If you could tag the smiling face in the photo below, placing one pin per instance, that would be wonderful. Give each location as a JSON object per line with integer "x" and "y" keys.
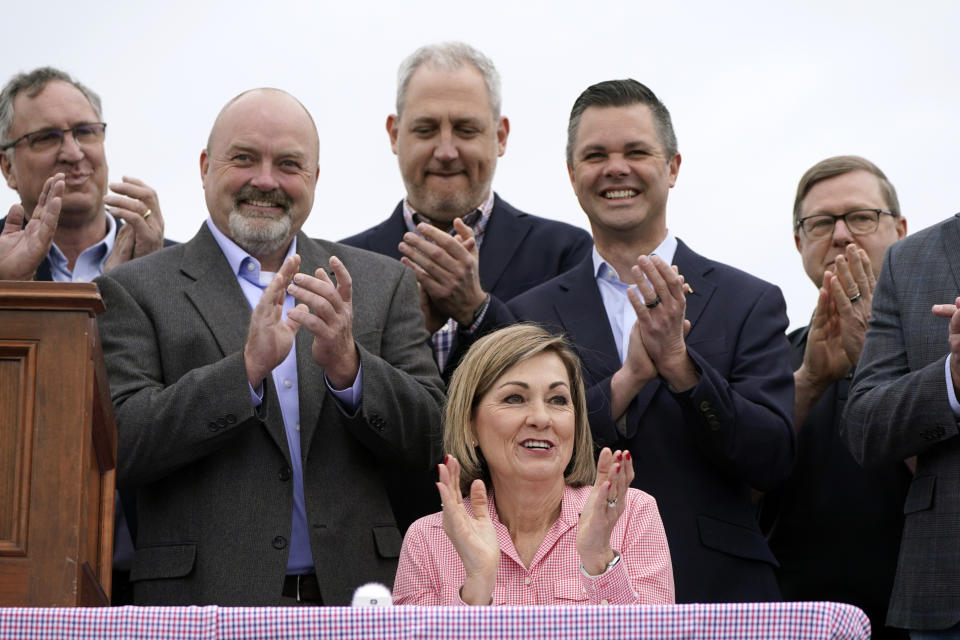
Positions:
{"x": 846, "y": 192}
{"x": 260, "y": 172}
{"x": 59, "y": 105}
{"x": 447, "y": 141}
{"x": 525, "y": 423}
{"x": 621, "y": 173}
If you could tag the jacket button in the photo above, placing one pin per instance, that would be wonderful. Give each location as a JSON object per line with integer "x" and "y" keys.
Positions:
{"x": 279, "y": 542}
{"x": 285, "y": 474}
{"x": 212, "y": 426}
{"x": 222, "y": 423}
{"x": 231, "y": 419}
{"x": 704, "y": 406}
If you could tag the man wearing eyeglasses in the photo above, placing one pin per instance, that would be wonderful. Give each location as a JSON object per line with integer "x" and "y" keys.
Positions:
{"x": 52, "y": 155}
{"x": 834, "y": 526}
{"x": 49, "y": 124}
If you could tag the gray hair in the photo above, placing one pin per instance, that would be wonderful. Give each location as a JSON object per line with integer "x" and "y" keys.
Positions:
{"x": 449, "y": 56}
{"x": 33, "y": 83}
{"x": 622, "y": 93}
{"x": 839, "y": 165}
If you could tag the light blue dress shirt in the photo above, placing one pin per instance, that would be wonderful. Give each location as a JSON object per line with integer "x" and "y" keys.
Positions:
{"x": 252, "y": 282}
{"x": 89, "y": 264}
{"x": 620, "y": 312}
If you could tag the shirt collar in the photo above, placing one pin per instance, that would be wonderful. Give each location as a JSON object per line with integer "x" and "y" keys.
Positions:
{"x": 242, "y": 263}
{"x": 474, "y": 219}
{"x": 98, "y": 252}
{"x": 603, "y": 271}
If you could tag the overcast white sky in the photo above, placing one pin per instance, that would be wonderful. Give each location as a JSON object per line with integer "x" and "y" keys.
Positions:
{"x": 759, "y": 91}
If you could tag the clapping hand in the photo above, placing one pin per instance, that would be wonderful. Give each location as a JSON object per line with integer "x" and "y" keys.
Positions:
{"x": 603, "y": 509}
{"x": 473, "y": 537}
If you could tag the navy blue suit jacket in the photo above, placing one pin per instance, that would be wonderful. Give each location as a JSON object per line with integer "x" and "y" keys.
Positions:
{"x": 518, "y": 252}
{"x": 697, "y": 452}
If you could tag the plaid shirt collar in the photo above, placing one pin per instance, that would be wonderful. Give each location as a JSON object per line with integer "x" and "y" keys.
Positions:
{"x": 476, "y": 219}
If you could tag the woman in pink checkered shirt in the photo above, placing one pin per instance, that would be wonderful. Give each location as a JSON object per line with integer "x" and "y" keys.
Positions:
{"x": 542, "y": 524}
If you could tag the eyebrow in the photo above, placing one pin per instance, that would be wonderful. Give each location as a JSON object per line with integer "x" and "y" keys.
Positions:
{"x": 518, "y": 383}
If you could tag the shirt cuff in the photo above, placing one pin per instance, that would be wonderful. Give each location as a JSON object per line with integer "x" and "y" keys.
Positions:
{"x": 256, "y": 395}
{"x": 951, "y": 393}
{"x": 610, "y": 587}
{"x": 477, "y": 318}
{"x": 349, "y": 397}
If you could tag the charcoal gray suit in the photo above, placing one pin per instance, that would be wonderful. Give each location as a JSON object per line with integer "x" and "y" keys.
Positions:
{"x": 899, "y": 407}
{"x": 213, "y": 473}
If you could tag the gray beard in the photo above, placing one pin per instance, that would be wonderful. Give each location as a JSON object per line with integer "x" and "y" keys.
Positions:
{"x": 259, "y": 235}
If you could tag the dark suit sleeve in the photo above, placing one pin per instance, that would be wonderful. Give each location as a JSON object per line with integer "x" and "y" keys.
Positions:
{"x": 399, "y": 415}
{"x": 742, "y": 418}
{"x": 745, "y": 417}
{"x": 898, "y": 405}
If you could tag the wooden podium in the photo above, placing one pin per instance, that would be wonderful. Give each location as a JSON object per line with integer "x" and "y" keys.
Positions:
{"x": 58, "y": 443}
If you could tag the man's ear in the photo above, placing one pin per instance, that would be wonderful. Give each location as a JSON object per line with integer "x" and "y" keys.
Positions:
{"x": 8, "y": 173}
{"x": 503, "y": 130}
{"x": 393, "y": 130}
{"x": 204, "y": 165}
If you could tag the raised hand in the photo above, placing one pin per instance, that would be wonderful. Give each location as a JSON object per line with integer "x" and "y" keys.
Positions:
{"x": 270, "y": 337}
{"x": 851, "y": 288}
{"x": 473, "y": 537}
{"x": 331, "y": 321}
{"x": 23, "y": 247}
{"x": 603, "y": 509}
{"x": 447, "y": 268}
{"x": 663, "y": 324}
{"x": 138, "y": 206}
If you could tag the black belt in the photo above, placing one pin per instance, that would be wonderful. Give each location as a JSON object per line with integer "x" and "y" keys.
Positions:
{"x": 304, "y": 588}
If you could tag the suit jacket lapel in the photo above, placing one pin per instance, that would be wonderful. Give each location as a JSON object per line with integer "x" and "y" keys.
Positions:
{"x": 502, "y": 237}
{"x": 312, "y": 386}
{"x": 388, "y": 235}
{"x": 694, "y": 268}
{"x": 950, "y": 237}
{"x": 217, "y": 296}
{"x": 583, "y": 317}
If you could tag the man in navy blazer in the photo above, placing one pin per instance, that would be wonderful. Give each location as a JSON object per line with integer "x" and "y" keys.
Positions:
{"x": 685, "y": 359}
{"x": 470, "y": 249}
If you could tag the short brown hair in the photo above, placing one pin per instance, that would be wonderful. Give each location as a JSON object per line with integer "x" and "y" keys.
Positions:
{"x": 484, "y": 363}
{"x": 837, "y": 166}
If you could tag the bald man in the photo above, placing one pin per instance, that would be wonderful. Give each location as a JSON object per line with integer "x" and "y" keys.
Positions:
{"x": 260, "y": 379}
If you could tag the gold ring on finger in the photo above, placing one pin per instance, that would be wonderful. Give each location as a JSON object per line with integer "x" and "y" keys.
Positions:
{"x": 147, "y": 214}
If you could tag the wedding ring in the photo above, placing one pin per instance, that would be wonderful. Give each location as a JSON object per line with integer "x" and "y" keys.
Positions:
{"x": 857, "y": 297}
{"x": 147, "y": 214}
{"x": 653, "y": 303}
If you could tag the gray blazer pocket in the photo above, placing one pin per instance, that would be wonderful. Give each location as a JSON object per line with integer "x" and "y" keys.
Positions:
{"x": 735, "y": 540}
{"x": 388, "y": 541}
{"x": 167, "y": 561}
{"x": 920, "y": 494}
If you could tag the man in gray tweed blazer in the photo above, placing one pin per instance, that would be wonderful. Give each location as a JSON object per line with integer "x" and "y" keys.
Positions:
{"x": 903, "y": 402}
{"x": 260, "y": 379}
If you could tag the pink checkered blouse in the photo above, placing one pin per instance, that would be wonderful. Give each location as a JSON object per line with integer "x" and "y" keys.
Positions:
{"x": 430, "y": 571}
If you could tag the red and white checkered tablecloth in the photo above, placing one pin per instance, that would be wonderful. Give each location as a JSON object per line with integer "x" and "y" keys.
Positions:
{"x": 747, "y": 621}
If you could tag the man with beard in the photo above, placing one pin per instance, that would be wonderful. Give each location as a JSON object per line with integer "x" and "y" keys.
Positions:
{"x": 256, "y": 393}
{"x": 470, "y": 250}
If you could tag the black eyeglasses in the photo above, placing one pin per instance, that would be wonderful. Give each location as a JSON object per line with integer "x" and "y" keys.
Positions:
{"x": 860, "y": 222}
{"x": 49, "y": 139}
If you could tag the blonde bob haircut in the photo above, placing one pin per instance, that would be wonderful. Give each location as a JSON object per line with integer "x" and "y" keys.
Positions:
{"x": 484, "y": 363}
